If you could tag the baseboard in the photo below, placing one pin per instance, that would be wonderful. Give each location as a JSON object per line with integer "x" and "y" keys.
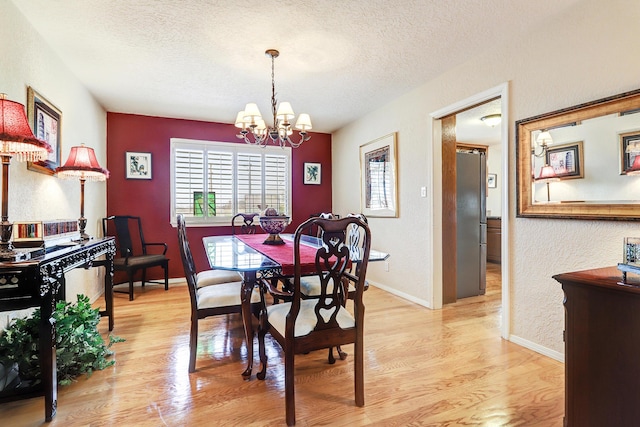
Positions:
{"x": 537, "y": 348}
{"x": 174, "y": 281}
{"x": 419, "y": 301}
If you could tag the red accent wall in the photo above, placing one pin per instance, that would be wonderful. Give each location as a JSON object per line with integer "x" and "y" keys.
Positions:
{"x": 151, "y": 199}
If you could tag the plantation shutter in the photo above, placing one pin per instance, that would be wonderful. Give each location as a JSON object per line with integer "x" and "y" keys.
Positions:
{"x": 220, "y": 181}
{"x": 276, "y": 182}
{"x": 212, "y": 181}
{"x": 249, "y": 179}
{"x": 189, "y": 179}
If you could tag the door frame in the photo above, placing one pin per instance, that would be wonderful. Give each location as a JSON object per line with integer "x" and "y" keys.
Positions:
{"x": 435, "y": 242}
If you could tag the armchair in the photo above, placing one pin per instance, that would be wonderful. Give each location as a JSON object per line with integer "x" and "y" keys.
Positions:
{"x": 134, "y": 250}
{"x": 304, "y": 325}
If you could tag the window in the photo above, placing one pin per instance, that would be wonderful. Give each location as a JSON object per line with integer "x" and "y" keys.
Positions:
{"x": 235, "y": 178}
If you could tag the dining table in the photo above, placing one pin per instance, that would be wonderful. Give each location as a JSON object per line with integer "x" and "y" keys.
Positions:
{"x": 256, "y": 260}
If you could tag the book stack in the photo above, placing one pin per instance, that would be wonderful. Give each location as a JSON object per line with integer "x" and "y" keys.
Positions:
{"x": 31, "y": 234}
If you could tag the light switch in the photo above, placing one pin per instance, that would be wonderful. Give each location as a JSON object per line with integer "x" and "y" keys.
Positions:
{"x": 423, "y": 191}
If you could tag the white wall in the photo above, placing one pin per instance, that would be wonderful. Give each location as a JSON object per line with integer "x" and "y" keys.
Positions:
{"x": 26, "y": 60}
{"x": 588, "y": 53}
{"x": 494, "y": 195}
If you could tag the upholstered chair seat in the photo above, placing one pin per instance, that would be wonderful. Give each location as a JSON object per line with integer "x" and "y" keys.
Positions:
{"x": 216, "y": 277}
{"x": 307, "y": 320}
{"x": 223, "y": 295}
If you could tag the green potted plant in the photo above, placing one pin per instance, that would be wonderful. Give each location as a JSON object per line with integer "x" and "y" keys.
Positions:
{"x": 80, "y": 349}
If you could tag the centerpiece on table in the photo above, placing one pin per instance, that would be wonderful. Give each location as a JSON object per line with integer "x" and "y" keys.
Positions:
{"x": 273, "y": 224}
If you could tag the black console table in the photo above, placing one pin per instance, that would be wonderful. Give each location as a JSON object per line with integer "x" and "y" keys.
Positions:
{"x": 40, "y": 282}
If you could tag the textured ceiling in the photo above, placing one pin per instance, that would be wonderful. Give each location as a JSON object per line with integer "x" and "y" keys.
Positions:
{"x": 204, "y": 59}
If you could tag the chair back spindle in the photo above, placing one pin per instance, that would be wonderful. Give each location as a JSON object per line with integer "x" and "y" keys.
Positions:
{"x": 245, "y": 223}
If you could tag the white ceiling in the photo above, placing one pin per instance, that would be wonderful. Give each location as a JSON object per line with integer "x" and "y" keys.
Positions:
{"x": 204, "y": 59}
{"x": 471, "y": 129}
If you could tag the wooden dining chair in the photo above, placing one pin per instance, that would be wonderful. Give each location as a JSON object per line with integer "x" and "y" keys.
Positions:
{"x": 212, "y": 292}
{"x": 310, "y": 285}
{"x": 304, "y": 325}
{"x": 134, "y": 251}
{"x": 242, "y": 223}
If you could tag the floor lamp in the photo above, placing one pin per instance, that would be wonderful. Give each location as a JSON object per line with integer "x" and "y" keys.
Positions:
{"x": 82, "y": 164}
{"x": 16, "y": 140}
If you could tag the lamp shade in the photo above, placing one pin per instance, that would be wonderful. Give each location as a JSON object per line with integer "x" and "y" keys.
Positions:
{"x": 16, "y": 137}
{"x": 547, "y": 173}
{"x": 304, "y": 122}
{"x": 251, "y": 112}
{"x": 285, "y": 112}
{"x": 240, "y": 122}
{"x": 82, "y": 163}
{"x": 544, "y": 138}
{"x": 635, "y": 167}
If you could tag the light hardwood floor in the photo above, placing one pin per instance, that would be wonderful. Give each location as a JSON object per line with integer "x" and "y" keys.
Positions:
{"x": 422, "y": 367}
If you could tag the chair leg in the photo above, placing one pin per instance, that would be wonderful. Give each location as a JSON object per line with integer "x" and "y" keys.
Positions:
{"x": 193, "y": 344}
{"x": 166, "y": 276}
{"x": 262, "y": 373}
{"x": 343, "y": 355}
{"x": 130, "y": 286}
{"x": 359, "y": 372}
{"x": 289, "y": 391}
{"x": 144, "y": 276}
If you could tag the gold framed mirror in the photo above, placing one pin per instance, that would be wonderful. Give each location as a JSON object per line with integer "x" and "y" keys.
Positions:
{"x": 580, "y": 162}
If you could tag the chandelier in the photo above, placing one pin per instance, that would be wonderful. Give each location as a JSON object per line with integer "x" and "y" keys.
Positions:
{"x": 254, "y": 129}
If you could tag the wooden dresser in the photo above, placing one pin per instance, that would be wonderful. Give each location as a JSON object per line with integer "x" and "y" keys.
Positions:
{"x": 602, "y": 348}
{"x": 494, "y": 239}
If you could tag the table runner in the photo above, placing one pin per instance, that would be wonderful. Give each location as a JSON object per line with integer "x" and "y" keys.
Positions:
{"x": 282, "y": 254}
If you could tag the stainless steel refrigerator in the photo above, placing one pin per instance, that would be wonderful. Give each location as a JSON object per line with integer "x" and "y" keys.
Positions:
{"x": 471, "y": 229}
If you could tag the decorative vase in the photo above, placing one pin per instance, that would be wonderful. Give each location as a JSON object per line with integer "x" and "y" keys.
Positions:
{"x": 274, "y": 225}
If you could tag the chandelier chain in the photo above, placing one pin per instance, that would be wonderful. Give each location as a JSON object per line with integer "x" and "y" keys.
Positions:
{"x": 274, "y": 102}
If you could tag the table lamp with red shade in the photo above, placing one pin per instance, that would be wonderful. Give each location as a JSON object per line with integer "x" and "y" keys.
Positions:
{"x": 82, "y": 164}
{"x": 16, "y": 140}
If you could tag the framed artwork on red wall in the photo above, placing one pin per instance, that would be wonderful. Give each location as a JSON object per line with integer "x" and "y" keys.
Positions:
{"x": 312, "y": 173}
{"x": 138, "y": 165}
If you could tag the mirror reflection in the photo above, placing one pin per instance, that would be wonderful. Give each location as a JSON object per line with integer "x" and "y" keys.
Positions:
{"x": 581, "y": 161}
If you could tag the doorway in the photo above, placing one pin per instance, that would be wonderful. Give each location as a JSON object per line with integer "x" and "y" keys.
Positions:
{"x": 443, "y": 171}
{"x": 471, "y": 151}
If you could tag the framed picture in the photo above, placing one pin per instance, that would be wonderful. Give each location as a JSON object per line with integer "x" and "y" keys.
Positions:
{"x": 138, "y": 165}
{"x": 46, "y": 122}
{"x": 630, "y": 149}
{"x": 378, "y": 176}
{"x": 492, "y": 180}
{"x": 312, "y": 173}
{"x": 566, "y": 160}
